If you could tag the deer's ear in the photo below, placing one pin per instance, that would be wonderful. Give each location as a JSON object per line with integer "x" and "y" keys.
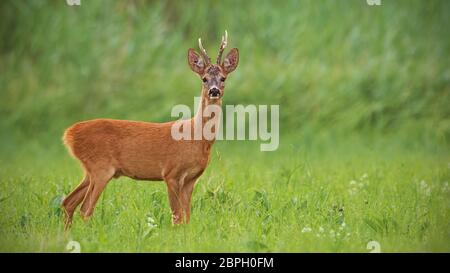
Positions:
{"x": 231, "y": 60}
{"x": 195, "y": 61}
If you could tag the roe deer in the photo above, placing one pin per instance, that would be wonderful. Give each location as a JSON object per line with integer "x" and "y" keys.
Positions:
{"x": 110, "y": 148}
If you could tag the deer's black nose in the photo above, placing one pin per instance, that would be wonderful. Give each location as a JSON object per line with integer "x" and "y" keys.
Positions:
{"x": 214, "y": 92}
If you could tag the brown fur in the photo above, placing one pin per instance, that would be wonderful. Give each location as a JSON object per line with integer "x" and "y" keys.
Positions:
{"x": 109, "y": 148}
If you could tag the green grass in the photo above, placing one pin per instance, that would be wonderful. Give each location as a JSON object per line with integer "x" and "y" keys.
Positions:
{"x": 247, "y": 202}
{"x": 363, "y": 92}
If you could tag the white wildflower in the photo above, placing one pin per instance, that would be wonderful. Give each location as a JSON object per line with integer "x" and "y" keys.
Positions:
{"x": 151, "y": 222}
{"x": 353, "y": 189}
{"x": 425, "y": 188}
{"x": 306, "y": 229}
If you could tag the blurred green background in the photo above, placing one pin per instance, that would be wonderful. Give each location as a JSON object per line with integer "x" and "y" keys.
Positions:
{"x": 334, "y": 67}
{"x": 364, "y": 122}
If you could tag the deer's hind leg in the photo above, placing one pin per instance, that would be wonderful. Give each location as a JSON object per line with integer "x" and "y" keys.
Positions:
{"x": 98, "y": 181}
{"x": 71, "y": 202}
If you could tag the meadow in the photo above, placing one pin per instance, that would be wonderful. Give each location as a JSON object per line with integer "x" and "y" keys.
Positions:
{"x": 364, "y": 123}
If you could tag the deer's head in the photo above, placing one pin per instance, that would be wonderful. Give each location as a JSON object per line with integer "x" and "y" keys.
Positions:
{"x": 213, "y": 75}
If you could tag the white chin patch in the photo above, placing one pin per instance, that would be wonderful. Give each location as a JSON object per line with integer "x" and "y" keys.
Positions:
{"x": 214, "y": 98}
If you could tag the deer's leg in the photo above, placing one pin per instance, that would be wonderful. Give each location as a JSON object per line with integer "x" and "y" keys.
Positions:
{"x": 186, "y": 197}
{"x": 71, "y": 202}
{"x": 98, "y": 182}
{"x": 173, "y": 189}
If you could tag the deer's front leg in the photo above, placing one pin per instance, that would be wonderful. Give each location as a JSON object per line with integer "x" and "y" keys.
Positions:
{"x": 186, "y": 195}
{"x": 174, "y": 191}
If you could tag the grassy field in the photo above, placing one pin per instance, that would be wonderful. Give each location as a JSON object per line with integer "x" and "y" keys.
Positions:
{"x": 381, "y": 192}
{"x": 364, "y": 122}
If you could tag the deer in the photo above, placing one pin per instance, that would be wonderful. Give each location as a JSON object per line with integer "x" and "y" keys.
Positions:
{"x": 111, "y": 148}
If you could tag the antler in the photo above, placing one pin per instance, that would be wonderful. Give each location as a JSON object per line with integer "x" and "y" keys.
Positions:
{"x": 223, "y": 45}
{"x": 203, "y": 52}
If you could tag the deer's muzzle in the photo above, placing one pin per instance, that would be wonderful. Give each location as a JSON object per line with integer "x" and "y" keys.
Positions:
{"x": 214, "y": 93}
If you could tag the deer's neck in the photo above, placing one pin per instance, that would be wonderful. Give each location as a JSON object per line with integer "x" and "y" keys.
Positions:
{"x": 207, "y": 118}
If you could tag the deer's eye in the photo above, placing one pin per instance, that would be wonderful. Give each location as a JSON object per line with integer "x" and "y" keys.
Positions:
{"x": 205, "y": 80}
{"x": 222, "y": 79}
